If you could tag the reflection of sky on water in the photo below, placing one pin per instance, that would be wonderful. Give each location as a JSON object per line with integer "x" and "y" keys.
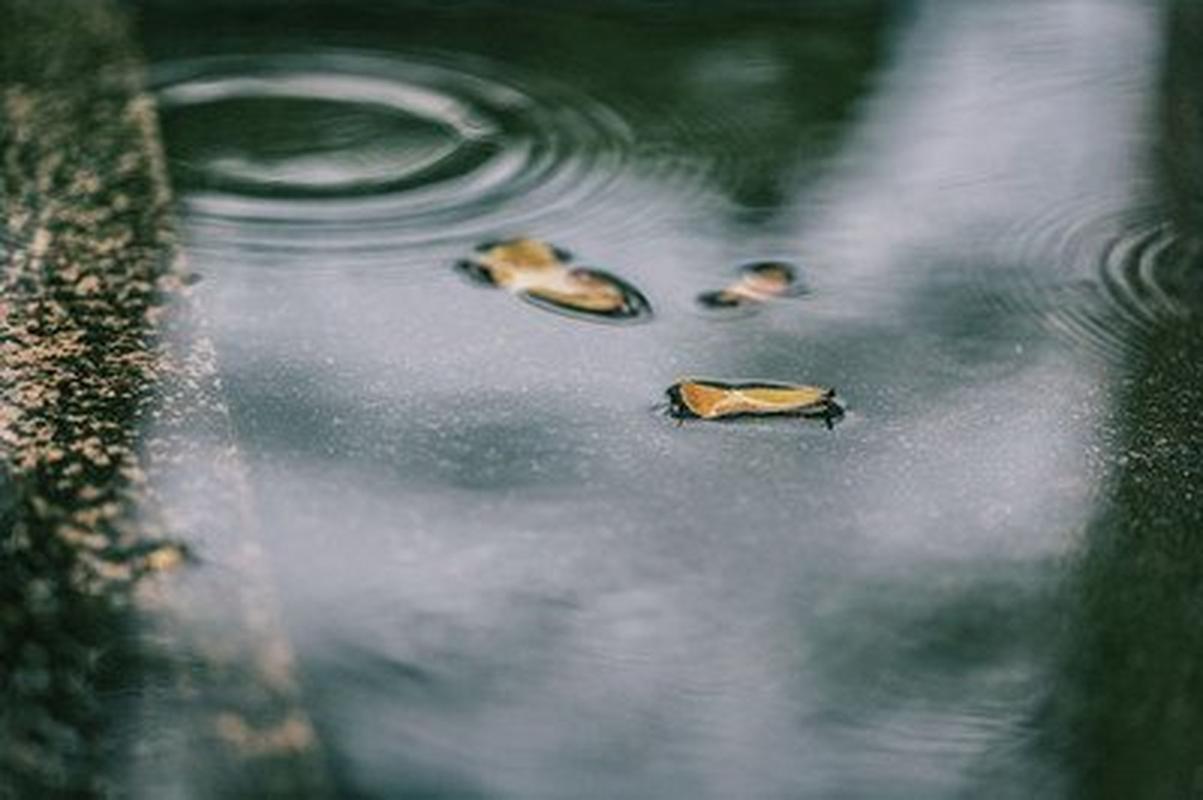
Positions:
{"x": 506, "y": 574}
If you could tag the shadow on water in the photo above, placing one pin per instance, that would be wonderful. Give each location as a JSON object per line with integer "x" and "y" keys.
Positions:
{"x": 750, "y": 101}
{"x": 1181, "y": 116}
{"x": 1125, "y": 718}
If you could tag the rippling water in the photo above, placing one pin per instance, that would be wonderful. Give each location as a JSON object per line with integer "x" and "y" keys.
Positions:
{"x": 505, "y": 572}
{"x": 339, "y": 152}
{"x": 1107, "y": 279}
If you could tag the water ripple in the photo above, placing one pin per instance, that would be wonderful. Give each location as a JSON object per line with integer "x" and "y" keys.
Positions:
{"x": 1106, "y": 279}
{"x": 348, "y": 152}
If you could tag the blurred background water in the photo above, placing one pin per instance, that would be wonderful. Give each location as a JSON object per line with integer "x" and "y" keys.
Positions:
{"x": 507, "y": 575}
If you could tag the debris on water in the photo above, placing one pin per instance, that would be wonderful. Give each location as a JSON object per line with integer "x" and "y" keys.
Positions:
{"x": 515, "y": 264}
{"x": 758, "y": 283}
{"x": 540, "y": 273}
{"x": 716, "y": 400}
{"x": 590, "y": 291}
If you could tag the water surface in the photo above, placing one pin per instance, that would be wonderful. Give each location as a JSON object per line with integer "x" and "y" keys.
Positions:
{"x": 507, "y": 575}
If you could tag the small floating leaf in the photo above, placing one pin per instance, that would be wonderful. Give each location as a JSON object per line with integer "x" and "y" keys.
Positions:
{"x": 759, "y": 282}
{"x": 538, "y": 272}
{"x": 590, "y": 292}
{"x": 515, "y": 263}
{"x": 716, "y": 400}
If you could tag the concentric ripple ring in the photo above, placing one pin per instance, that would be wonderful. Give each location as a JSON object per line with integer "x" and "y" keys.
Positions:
{"x": 1104, "y": 278}
{"x": 366, "y": 153}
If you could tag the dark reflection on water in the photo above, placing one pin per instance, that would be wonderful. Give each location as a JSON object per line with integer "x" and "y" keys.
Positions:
{"x": 1126, "y": 718}
{"x": 368, "y": 152}
{"x": 507, "y": 576}
{"x": 940, "y": 666}
{"x": 1126, "y": 715}
{"x": 1107, "y": 280}
{"x": 1180, "y": 115}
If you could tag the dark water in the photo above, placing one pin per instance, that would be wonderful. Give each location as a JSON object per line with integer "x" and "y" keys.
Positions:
{"x": 506, "y": 575}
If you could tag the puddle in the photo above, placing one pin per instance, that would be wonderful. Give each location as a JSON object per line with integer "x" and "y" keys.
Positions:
{"x": 502, "y": 575}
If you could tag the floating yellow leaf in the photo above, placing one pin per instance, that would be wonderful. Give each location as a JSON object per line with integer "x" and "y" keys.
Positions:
{"x": 539, "y": 273}
{"x": 758, "y": 282}
{"x": 712, "y": 400}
